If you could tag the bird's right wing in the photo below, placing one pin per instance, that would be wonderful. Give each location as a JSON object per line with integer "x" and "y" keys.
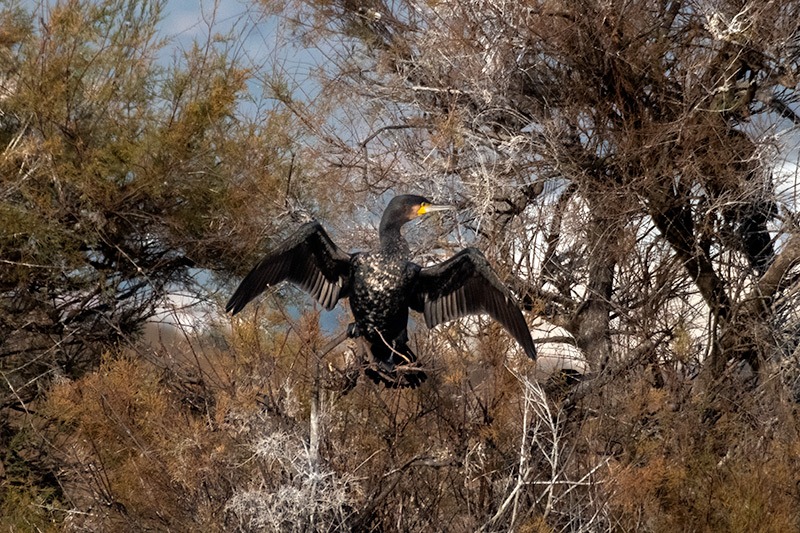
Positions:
{"x": 308, "y": 259}
{"x": 465, "y": 285}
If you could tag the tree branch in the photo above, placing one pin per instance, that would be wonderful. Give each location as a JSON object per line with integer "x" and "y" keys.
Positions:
{"x": 757, "y": 301}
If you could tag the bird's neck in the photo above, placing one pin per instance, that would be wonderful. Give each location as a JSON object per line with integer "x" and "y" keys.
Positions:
{"x": 392, "y": 240}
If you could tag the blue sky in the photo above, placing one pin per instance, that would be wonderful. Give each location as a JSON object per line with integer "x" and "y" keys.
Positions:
{"x": 260, "y": 38}
{"x": 189, "y": 18}
{"x": 263, "y": 41}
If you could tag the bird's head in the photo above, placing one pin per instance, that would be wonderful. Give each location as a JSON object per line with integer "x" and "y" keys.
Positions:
{"x": 407, "y": 207}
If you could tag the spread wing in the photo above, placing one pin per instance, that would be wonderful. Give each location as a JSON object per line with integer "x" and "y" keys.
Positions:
{"x": 308, "y": 259}
{"x": 465, "y": 285}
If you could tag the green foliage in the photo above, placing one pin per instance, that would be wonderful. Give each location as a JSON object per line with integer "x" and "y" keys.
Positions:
{"x": 27, "y": 504}
{"x": 118, "y": 176}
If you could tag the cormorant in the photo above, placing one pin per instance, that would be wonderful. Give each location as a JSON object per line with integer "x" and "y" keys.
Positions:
{"x": 383, "y": 284}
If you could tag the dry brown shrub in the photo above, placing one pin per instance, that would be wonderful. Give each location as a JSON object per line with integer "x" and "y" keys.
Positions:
{"x": 727, "y": 467}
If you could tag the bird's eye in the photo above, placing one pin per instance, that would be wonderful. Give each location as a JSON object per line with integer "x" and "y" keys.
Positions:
{"x": 422, "y": 208}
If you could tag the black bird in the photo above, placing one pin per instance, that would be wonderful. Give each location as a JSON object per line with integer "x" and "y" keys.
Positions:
{"x": 383, "y": 284}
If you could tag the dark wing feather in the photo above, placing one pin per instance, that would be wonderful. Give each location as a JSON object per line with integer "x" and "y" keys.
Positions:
{"x": 308, "y": 259}
{"x": 465, "y": 285}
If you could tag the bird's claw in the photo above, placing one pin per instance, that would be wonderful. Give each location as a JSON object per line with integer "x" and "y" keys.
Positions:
{"x": 393, "y": 377}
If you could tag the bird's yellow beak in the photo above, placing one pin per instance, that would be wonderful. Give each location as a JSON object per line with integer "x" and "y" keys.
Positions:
{"x": 429, "y": 208}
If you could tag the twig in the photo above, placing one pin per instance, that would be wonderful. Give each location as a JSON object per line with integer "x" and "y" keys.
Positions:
{"x": 29, "y": 265}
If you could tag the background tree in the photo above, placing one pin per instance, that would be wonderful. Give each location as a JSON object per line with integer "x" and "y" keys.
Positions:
{"x": 605, "y": 143}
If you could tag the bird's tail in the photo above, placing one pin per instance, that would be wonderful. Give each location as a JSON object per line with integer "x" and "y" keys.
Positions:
{"x": 394, "y": 365}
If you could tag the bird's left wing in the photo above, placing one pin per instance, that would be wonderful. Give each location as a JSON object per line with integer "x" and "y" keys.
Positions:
{"x": 465, "y": 285}
{"x": 308, "y": 259}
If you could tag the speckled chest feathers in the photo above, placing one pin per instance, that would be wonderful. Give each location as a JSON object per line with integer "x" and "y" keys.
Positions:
{"x": 379, "y": 300}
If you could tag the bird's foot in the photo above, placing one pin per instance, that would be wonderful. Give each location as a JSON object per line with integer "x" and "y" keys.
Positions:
{"x": 400, "y": 376}
{"x": 380, "y": 376}
{"x": 410, "y": 375}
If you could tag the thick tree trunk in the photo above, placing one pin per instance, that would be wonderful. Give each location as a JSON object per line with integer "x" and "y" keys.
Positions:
{"x": 593, "y": 316}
